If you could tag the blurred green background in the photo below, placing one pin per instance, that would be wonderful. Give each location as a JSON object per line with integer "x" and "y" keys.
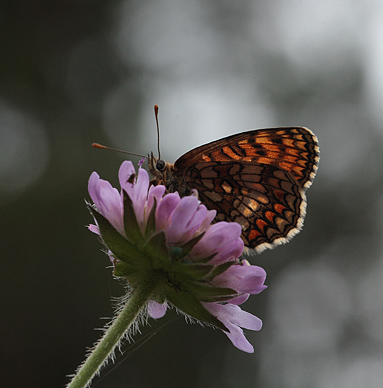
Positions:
{"x": 77, "y": 72}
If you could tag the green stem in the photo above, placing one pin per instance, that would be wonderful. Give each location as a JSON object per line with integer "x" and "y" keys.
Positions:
{"x": 113, "y": 335}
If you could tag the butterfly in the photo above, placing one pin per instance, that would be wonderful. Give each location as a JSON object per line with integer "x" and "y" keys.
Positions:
{"x": 256, "y": 178}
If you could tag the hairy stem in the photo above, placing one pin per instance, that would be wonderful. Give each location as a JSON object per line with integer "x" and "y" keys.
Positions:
{"x": 113, "y": 335}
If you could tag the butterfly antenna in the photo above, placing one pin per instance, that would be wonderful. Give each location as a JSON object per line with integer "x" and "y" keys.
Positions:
{"x": 100, "y": 146}
{"x": 156, "y": 108}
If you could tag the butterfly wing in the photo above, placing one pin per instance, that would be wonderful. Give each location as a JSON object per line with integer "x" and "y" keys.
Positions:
{"x": 256, "y": 178}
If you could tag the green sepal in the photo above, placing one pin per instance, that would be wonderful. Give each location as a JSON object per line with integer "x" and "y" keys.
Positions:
{"x": 218, "y": 269}
{"x": 187, "y": 303}
{"x": 191, "y": 271}
{"x": 159, "y": 298}
{"x": 185, "y": 249}
{"x": 157, "y": 249}
{"x": 208, "y": 258}
{"x": 131, "y": 227}
{"x": 124, "y": 270}
{"x": 151, "y": 223}
{"x": 114, "y": 241}
{"x": 207, "y": 293}
{"x": 176, "y": 253}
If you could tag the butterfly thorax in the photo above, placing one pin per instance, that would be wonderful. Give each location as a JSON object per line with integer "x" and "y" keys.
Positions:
{"x": 166, "y": 174}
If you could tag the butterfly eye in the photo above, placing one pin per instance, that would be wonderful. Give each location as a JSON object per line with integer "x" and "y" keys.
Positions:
{"x": 160, "y": 165}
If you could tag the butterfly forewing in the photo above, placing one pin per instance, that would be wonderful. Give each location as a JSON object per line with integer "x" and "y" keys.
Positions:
{"x": 294, "y": 149}
{"x": 256, "y": 178}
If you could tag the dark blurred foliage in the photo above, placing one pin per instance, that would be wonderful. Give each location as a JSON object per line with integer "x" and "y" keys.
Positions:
{"x": 76, "y": 72}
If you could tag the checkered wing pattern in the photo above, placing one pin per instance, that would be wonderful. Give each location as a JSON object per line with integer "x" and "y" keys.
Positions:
{"x": 256, "y": 178}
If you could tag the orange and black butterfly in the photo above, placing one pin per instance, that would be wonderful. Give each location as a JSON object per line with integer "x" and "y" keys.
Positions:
{"x": 256, "y": 178}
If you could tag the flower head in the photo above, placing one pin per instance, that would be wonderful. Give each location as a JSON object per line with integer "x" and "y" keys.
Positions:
{"x": 169, "y": 241}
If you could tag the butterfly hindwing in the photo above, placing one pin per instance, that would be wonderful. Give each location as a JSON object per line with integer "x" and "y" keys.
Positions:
{"x": 266, "y": 201}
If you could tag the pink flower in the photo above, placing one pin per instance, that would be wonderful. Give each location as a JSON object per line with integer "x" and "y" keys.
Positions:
{"x": 194, "y": 264}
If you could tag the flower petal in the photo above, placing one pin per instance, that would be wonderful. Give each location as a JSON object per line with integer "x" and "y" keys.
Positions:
{"x": 238, "y": 339}
{"x": 185, "y": 221}
{"x": 229, "y": 251}
{"x": 239, "y": 299}
{"x": 207, "y": 221}
{"x": 124, "y": 173}
{"x": 198, "y": 219}
{"x": 216, "y": 239}
{"x": 181, "y": 218}
{"x": 233, "y": 318}
{"x": 243, "y": 278}
{"x": 139, "y": 194}
{"x": 165, "y": 209}
{"x": 138, "y": 190}
{"x": 243, "y": 318}
{"x": 108, "y": 201}
{"x": 155, "y": 192}
{"x": 156, "y": 310}
{"x": 94, "y": 229}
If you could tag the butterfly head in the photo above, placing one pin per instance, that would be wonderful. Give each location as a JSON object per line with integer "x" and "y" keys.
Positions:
{"x": 159, "y": 169}
{"x": 166, "y": 174}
